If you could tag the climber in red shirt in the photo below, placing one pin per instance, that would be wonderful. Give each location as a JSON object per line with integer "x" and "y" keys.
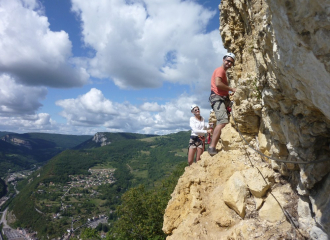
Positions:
{"x": 219, "y": 98}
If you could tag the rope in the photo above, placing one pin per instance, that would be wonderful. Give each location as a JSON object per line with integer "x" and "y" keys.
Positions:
{"x": 275, "y": 159}
{"x": 285, "y": 212}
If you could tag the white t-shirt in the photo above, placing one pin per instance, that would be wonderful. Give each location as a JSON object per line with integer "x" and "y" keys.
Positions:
{"x": 197, "y": 127}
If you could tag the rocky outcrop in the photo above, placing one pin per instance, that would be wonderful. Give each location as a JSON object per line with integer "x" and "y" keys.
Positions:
{"x": 16, "y": 141}
{"x": 101, "y": 138}
{"x": 233, "y": 195}
{"x": 281, "y": 108}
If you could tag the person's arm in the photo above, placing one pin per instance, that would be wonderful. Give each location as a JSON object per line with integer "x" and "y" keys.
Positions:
{"x": 194, "y": 128}
{"x": 208, "y": 128}
{"x": 220, "y": 85}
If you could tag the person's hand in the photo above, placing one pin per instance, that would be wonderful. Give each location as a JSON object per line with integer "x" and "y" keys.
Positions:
{"x": 210, "y": 131}
{"x": 233, "y": 91}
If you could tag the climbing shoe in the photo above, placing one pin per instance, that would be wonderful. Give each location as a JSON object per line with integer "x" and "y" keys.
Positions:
{"x": 212, "y": 151}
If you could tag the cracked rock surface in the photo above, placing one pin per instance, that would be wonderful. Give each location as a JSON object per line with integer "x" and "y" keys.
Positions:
{"x": 281, "y": 107}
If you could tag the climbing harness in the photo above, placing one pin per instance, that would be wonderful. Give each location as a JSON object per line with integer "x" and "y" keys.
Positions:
{"x": 275, "y": 159}
{"x": 197, "y": 139}
{"x": 214, "y": 98}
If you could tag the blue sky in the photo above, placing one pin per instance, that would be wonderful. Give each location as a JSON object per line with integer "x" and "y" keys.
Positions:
{"x": 81, "y": 67}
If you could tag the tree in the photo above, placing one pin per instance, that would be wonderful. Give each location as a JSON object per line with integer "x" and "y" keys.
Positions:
{"x": 105, "y": 228}
{"x": 99, "y": 227}
{"x": 3, "y": 188}
{"x": 140, "y": 216}
{"x": 90, "y": 234}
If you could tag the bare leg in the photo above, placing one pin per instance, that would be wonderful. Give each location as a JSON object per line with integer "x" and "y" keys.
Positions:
{"x": 191, "y": 155}
{"x": 216, "y": 134}
{"x": 199, "y": 153}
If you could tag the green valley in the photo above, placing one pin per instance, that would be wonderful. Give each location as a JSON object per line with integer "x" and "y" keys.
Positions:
{"x": 22, "y": 151}
{"x": 83, "y": 186}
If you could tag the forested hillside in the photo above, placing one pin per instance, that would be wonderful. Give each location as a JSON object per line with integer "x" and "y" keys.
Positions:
{"x": 80, "y": 184}
{"x": 2, "y": 133}
{"x": 21, "y": 151}
{"x": 105, "y": 138}
{"x": 14, "y": 158}
{"x": 2, "y": 188}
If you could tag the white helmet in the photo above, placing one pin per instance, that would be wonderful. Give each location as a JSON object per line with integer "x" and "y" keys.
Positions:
{"x": 232, "y": 55}
{"x": 192, "y": 107}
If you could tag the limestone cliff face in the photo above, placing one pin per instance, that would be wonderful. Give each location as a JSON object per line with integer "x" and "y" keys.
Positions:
{"x": 282, "y": 74}
{"x": 16, "y": 141}
{"x": 101, "y": 138}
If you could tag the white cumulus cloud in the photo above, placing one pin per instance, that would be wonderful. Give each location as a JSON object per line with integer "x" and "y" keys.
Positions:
{"x": 17, "y": 99}
{"x": 136, "y": 43}
{"x": 151, "y": 107}
{"x": 93, "y": 109}
{"x": 32, "y": 53}
{"x": 141, "y": 43}
{"x": 28, "y": 123}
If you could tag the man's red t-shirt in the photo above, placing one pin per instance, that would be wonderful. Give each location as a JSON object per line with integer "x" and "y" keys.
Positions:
{"x": 221, "y": 73}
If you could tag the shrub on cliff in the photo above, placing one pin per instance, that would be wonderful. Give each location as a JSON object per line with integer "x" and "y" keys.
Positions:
{"x": 140, "y": 216}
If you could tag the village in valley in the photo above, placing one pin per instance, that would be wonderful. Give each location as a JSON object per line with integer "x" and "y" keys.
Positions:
{"x": 77, "y": 203}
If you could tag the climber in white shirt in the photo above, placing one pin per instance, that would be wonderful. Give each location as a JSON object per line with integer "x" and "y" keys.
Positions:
{"x": 197, "y": 138}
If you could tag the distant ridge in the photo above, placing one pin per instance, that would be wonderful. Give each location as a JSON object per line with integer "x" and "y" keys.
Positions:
{"x": 20, "y": 151}
{"x": 5, "y": 133}
{"x": 60, "y": 140}
{"x": 105, "y": 138}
